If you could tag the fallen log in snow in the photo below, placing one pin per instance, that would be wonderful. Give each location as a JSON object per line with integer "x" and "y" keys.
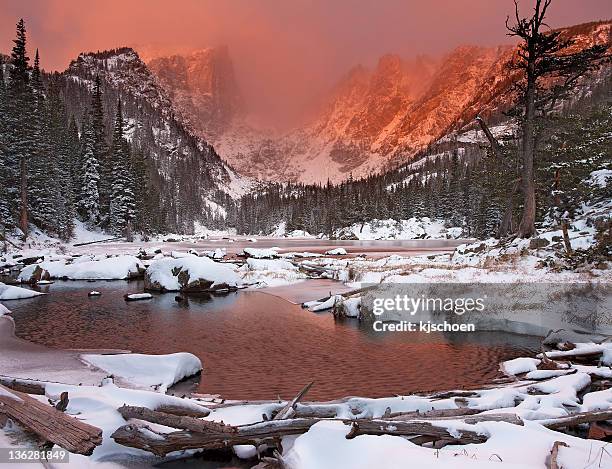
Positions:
{"x": 577, "y": 419}
{"x": 199, "y": 434}
{"x": 29, "y": 386}
{"x": 49, "y": 423}
{"x": 400, "y": 428}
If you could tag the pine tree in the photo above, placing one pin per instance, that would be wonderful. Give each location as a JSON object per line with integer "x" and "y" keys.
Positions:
{"x": 43, "y": 184}
{"x": 122, "y": 204}
{"x": 100, "y": 149}
{"x": 142, "y": 221}
{"x": 20, "y": 139}
{"x": 89, "y": 194}
{"x": 6, "y": 217}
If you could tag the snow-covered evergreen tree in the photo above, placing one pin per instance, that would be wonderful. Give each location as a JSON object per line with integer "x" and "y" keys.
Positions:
{"x": 122, "y": 203}
{"x": 21, "y": 134}
{"x": 6, "y": 216}
{"x": 43, "y": 184}
{"x": 89, "y": 195}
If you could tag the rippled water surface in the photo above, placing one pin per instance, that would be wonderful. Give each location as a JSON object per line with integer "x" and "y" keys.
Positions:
{"x": 256, "y": 346}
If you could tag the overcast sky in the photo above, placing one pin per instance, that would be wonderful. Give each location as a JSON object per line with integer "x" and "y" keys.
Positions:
{"x": 284, "y": 51}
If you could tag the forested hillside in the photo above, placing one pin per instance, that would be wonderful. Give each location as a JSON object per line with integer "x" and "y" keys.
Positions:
{"x": 100, "y": 142}
{"x": 457, "y": 180}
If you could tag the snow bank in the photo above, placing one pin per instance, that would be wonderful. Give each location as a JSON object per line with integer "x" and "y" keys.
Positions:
{"x": 271, "y": 272}
{"x": 155, "y": 371}
{"x": 10, "y": 292}
{"x": 281, "y": 232}
{"x": 190, "y": 274}
{"x": 88, "y": 268}
{"x": 413, "y": 228}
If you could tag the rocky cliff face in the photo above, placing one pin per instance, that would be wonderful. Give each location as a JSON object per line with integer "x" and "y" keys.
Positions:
{"x": 373, "y": 120}
{"x": 202, "y": 87}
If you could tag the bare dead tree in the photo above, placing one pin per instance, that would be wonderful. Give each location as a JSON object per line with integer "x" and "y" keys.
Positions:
{"x": 550, "y": 70}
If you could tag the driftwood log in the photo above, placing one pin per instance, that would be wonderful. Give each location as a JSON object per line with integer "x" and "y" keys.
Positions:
{"x": 49, "y": 423}
{"x": 183, "y": 410}
{"x": 173, "y": 420}
{"x": 29, "y": 386}
{"x": 577, "y": 419}
{"x": 400, "y": 428}
{"x": 199, "y": 435}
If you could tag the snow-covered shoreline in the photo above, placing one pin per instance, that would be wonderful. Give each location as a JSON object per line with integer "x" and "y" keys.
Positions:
{"x": 532, "y": 394}
{"x": 536, "y": 395}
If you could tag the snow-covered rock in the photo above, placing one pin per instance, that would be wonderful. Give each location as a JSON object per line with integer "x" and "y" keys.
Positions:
{"x": 88, "y": 268}
{"x": 4, "y": 310}
{"x": 138, "y": 296}
{"x": 350, "y": 308}
{"x": 190, "y": 274}
{"x": 270, "y": 264}
{"x": 519, "y": 365}
{"x": 218, "y": 253}
{"x": 10, "y": 292}
{"x": 262, "y": 253}
{"x": 336, "y": 252}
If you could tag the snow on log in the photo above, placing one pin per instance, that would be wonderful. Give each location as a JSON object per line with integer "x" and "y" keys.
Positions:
{"x": 155, "y": 371}
{"x": 49, "y": 423}
{"x": 10, "y": 292}
{"x": 190, "y": 274}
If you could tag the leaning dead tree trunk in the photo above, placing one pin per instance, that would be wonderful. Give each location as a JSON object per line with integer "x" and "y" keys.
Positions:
{"x": 506, "y": 226}
{"x": 49, "y": 423}
{"x": 495, "y": 146}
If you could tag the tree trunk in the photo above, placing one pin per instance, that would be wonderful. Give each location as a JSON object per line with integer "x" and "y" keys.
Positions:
{"x": 23, "y": 212}
{"x": 527, "y": 224}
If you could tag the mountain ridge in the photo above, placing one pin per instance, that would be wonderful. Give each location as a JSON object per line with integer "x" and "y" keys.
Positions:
{"x": 376, "y": 119}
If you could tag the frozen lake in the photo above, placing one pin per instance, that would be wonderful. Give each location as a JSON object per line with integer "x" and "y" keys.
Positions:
{"x": 256, "y": 345}
{"x": 235, "y": 245}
